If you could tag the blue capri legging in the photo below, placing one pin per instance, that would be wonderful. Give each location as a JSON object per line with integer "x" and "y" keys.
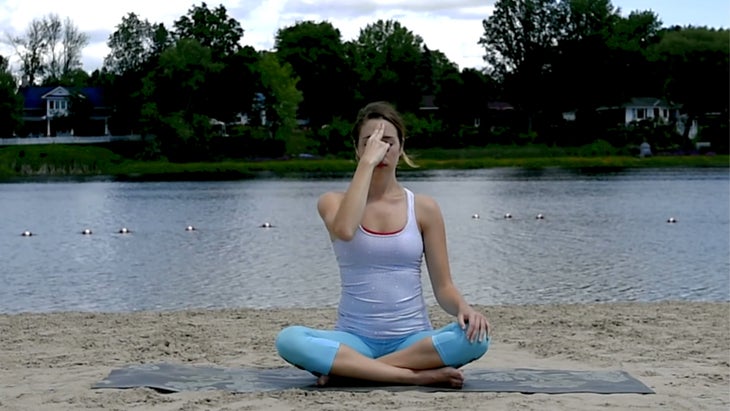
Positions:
{"x": 314, "y": 350}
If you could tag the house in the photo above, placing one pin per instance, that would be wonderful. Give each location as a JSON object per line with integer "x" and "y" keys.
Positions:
{"x": 258, "y": 107}
{"x": 60, "y": 111}
{"x": 428, "y": 103}
{"x": 498, "y": 112}
{"x": 640, "y": 109}
{"x": 648, "y": 108}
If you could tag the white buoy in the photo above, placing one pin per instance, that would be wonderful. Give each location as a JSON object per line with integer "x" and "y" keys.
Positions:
{"x": 189, "y": 228}
{"x": 671, "y": 220}
{"x": 26, "y": 234}
{"x": 124, "y": 230}
{"x": 540, "y": 217}
{"x": 475, "y": 216}
{"x": 86, "y": 231}
{"x": 266, "y": 225}
{"x": 508, "y": 216}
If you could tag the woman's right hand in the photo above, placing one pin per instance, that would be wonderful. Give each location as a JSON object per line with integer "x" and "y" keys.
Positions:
{"x": 375, "y": 147}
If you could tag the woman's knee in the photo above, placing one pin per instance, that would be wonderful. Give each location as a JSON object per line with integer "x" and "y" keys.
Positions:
{"x": 456, "y": 349}
{"x": 306, "y": 348}
{"x": 289, "y": 340}
{"x": 479, "y": 348}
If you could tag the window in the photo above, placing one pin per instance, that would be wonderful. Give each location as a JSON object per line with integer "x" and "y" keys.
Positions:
{"x": 640, "y": 113}
{"x": 58, "y": 104}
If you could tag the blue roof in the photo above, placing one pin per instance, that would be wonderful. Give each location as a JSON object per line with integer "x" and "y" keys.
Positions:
{"x": 33, "y": 96}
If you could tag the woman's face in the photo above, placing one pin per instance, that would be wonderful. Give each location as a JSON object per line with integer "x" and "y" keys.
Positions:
{"x": 390, "y": 136}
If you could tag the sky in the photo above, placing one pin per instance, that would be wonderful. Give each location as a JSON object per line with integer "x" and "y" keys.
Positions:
{"x": 450, "y": 26}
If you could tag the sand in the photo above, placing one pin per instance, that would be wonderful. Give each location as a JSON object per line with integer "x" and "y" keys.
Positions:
{"x": 680, "y": 350}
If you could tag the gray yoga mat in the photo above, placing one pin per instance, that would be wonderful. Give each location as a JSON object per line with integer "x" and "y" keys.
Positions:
{"x": 167, "y": 377}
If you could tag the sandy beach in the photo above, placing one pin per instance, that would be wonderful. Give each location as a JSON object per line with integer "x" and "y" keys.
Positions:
{"x": 680, "y": 350}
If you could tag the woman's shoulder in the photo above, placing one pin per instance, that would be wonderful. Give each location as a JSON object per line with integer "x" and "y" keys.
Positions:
{"x": 330, "y": 198}
{"x": 330, "y": 195}
{"x": 426, "y": 204}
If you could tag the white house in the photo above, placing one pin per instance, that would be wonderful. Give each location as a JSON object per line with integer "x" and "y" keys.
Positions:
{"x": 43, "y": 105}
{"x": 648, "y": 108}
{"x": 653, "y": 109}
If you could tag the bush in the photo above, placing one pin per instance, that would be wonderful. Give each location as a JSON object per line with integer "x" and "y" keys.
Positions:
{"x": 425, "y": 132}
{"x": 596, "y": 149}
{"x": 334, "y": 138}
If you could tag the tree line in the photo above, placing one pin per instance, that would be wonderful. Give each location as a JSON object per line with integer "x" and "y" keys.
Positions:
{"x": 203, "y": 95}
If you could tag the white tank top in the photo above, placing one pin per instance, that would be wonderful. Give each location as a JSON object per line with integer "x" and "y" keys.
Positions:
{"x": 380, "y": 274}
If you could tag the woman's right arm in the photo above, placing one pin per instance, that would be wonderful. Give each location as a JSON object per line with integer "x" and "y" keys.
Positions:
{"x": 342, "y": 214}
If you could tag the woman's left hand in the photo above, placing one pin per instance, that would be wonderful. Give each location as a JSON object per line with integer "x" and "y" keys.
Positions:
{"x": 478, "y": 326}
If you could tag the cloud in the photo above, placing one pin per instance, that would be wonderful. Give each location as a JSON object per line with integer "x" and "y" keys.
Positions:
{"x": 355, "y": 8}
{"x": 451, "y": 26}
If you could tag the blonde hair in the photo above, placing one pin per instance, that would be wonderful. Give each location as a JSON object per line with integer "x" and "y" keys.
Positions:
{"x": 383, "y": 110}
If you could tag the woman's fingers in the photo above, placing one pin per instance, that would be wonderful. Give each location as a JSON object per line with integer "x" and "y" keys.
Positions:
{"x": 376, "y": 145}
{"x": 478, "y": 327}
{"x": 377, "y": 134}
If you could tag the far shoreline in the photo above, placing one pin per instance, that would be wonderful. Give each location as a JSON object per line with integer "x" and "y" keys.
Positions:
{"x": 25, "y": 163}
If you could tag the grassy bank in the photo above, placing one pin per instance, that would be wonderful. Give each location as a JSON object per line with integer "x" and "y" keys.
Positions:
{"x": 78, "y": 160}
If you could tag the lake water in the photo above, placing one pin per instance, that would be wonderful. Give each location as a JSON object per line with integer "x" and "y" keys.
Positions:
{"x": 604, "y": 237}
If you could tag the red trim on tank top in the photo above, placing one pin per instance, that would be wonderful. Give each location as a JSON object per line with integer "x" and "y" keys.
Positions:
{"x": 379, "y": 233}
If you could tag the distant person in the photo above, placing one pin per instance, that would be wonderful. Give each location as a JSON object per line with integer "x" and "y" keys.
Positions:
{"x": 644, "y": 150}
{"x": 380, "y": 232}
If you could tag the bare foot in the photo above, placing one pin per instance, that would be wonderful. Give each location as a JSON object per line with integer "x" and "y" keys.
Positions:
{"x": 323, "y": 380}
{"x": 337, "y": 381}
{"x": 448, "y": 376}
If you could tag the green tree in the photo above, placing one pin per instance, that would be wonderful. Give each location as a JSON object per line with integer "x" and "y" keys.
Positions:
{"x": 135, "y": 49}
{"x": 694, "y": 62}
{"x": 317, "y": 55}
{"x": 181, "y": 77}
{"x": 175, "y": 108}
{"x": 439, "y": 77}
{"x": 131, "y": 45}
{"x": 581, "y": 76}
{"x": 74, "y": 78}
{"x": 629, "y": 41}
{"x": 477, "y": 89}
{"x": 214, "y": 29}
{"x": 519, "y": 41}
{"x": 11, "y": 104}
{"x": 387, "y": 55}
{"x": 436, "y": 73}
{"x": 282, "y": 96}
{"x": 231, "y": 91}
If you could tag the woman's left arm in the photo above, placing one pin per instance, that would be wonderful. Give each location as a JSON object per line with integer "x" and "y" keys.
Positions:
{"x": 431, "y": 223}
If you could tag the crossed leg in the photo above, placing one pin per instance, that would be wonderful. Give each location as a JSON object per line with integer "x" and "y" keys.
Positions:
{"x": 426, "y": 358}
{"x": 418, "y": 364}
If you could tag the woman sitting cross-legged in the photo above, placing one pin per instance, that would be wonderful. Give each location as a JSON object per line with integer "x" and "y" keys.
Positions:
{"x": 380, "y": 233}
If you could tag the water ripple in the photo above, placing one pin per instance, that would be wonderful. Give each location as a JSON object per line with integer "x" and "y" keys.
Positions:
{"x": 603, "y": 238}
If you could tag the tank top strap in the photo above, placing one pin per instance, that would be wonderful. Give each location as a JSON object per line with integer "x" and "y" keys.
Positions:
{"x": 411, "y": 201}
